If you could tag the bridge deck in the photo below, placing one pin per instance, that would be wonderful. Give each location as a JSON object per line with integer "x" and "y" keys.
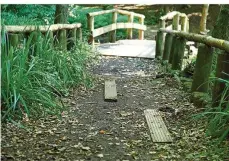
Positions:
{"x": 129, "y": 48}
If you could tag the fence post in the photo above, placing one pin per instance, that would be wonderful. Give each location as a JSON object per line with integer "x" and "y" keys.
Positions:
{"x": 159, "y": 44}
{"x": 50, "y": 38}
{"x": 71, "y": 38}
{"x": 79, "y": 34}
{"x": 167, "y": 46}
{"x": 202, "y": 69}
{"x": 141, "y": 32}
{"x": 62, "y": 39}
{"x": 173, "y": 48}
{"x": 130, "y": 30}
{"x": 187, "y": 26}
{"x": 160, "y": 39}
{"x": 90, "y": 23}
{"x": 179, "y": 54}
{"x": 13, "y": 39}
{"x": 176, "y": 20}
{"x": 175, "y": 26}
{"x": 113, "y": 33}
{"x": 184, "y": 20}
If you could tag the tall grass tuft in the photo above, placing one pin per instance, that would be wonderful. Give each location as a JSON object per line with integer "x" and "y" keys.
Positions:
{"x": 218, "y": 117}
{"x": 35, "y": 76}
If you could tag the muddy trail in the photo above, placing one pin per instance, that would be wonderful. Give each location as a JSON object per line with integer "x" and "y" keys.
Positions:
{"x": 92, "y": 129}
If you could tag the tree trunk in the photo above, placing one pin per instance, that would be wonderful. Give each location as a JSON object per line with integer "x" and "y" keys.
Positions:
{"x": 61, "y": 14}
{"x": 221, "y": 30}
{"x": 203, "y": 20}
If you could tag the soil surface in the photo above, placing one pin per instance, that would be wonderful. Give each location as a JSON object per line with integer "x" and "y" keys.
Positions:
{"x": 92, "y": 129}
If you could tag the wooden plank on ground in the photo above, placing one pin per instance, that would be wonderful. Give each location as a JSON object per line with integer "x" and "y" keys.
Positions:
{"x": 157, "y": 127}
{"x": 110, "y": 93}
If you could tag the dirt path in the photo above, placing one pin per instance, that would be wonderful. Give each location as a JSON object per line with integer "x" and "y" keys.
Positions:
{"x": 96, "y": 130}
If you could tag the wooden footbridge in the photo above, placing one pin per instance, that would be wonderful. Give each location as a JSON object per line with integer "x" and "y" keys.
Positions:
{"x": 169, "y": 47}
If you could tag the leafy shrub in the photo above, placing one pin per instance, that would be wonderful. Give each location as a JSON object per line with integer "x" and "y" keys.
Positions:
{"x": 27, "y": 14}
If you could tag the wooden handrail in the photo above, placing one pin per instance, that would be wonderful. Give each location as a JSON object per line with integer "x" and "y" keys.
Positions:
{"x": 43, "y": 28}
{"x": 121, "y": 25}
{"x": 116, "y": 10}
{"x": 65, "y": 38}
{"x": 101, "y": 12}
{"x": 112, "y": 27}
{"x": 172, "y": 48}
{"x": 169, "y": 15}
{"x": 129, "y": 13}
{"x": 205, "y": 39}
{"x": 175, "y": 16}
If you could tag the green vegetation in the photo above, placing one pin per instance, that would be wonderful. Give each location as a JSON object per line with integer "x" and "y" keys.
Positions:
{"x": 34, "y": 81}
{"x": 218, "y": 117}
{"x": 27, "y": 14}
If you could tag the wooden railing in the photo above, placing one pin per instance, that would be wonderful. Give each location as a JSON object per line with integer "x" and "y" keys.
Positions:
{"x": 130, "y": 25}
{"x": 171, "y": 48}
{"x": 64, "y": 36}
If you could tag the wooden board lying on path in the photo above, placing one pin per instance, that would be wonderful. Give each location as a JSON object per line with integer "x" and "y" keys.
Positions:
{"x": 157, "y": 127}
{"x": 110, "y": 93}
{"x": 129, "y": 48}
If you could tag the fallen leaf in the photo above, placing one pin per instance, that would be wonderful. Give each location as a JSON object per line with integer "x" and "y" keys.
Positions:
{"x": 102, "y": 132}
{"x": 100, "y": 155}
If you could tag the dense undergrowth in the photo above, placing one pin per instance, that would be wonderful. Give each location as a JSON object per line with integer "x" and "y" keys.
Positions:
{"x": 218, "y": 116}
{"x": 35, "y": 77}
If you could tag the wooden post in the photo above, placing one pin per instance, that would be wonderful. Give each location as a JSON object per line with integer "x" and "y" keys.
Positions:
{"x": 202, "y": 69}
{"x": 79, "y": 34}
{"x": 35, "y": 36}
{"x": 160, "y": 39}
{"x": 62, "y": 39}
{"x": 167, "y": 47}
{"x": 130, "y": 30}
{"x": 179, "y": 54}
{"x": 173, "y": 49}
{"x": 162, "y": 23}
{"x": 113, "y": 33}
{"x": 176, "y": 20}
{"x": 187, "y": 26}
{"x": 222, "y": 70}
{"x": 71, "y": 38}
{"x": 50, "y": 38}
{"x": 203, "y": 20}
{"x": 90, "y": 22}
{"x": 13, "y": 39}
{"x": 184, "y": 23}
{"x": 159, "y": 45}
{"x": 141, "y": 32}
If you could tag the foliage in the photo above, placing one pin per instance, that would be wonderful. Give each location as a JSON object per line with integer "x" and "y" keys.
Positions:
{"x": 153, "y": 17}
{"x": 218, "y": 117}
{"x": 27, "y": 14}
{"x": 35, "y": 77}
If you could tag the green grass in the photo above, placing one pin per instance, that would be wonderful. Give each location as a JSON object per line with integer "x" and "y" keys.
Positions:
{"x": 35, "y": 77}
{"x": 218, "y": 117}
